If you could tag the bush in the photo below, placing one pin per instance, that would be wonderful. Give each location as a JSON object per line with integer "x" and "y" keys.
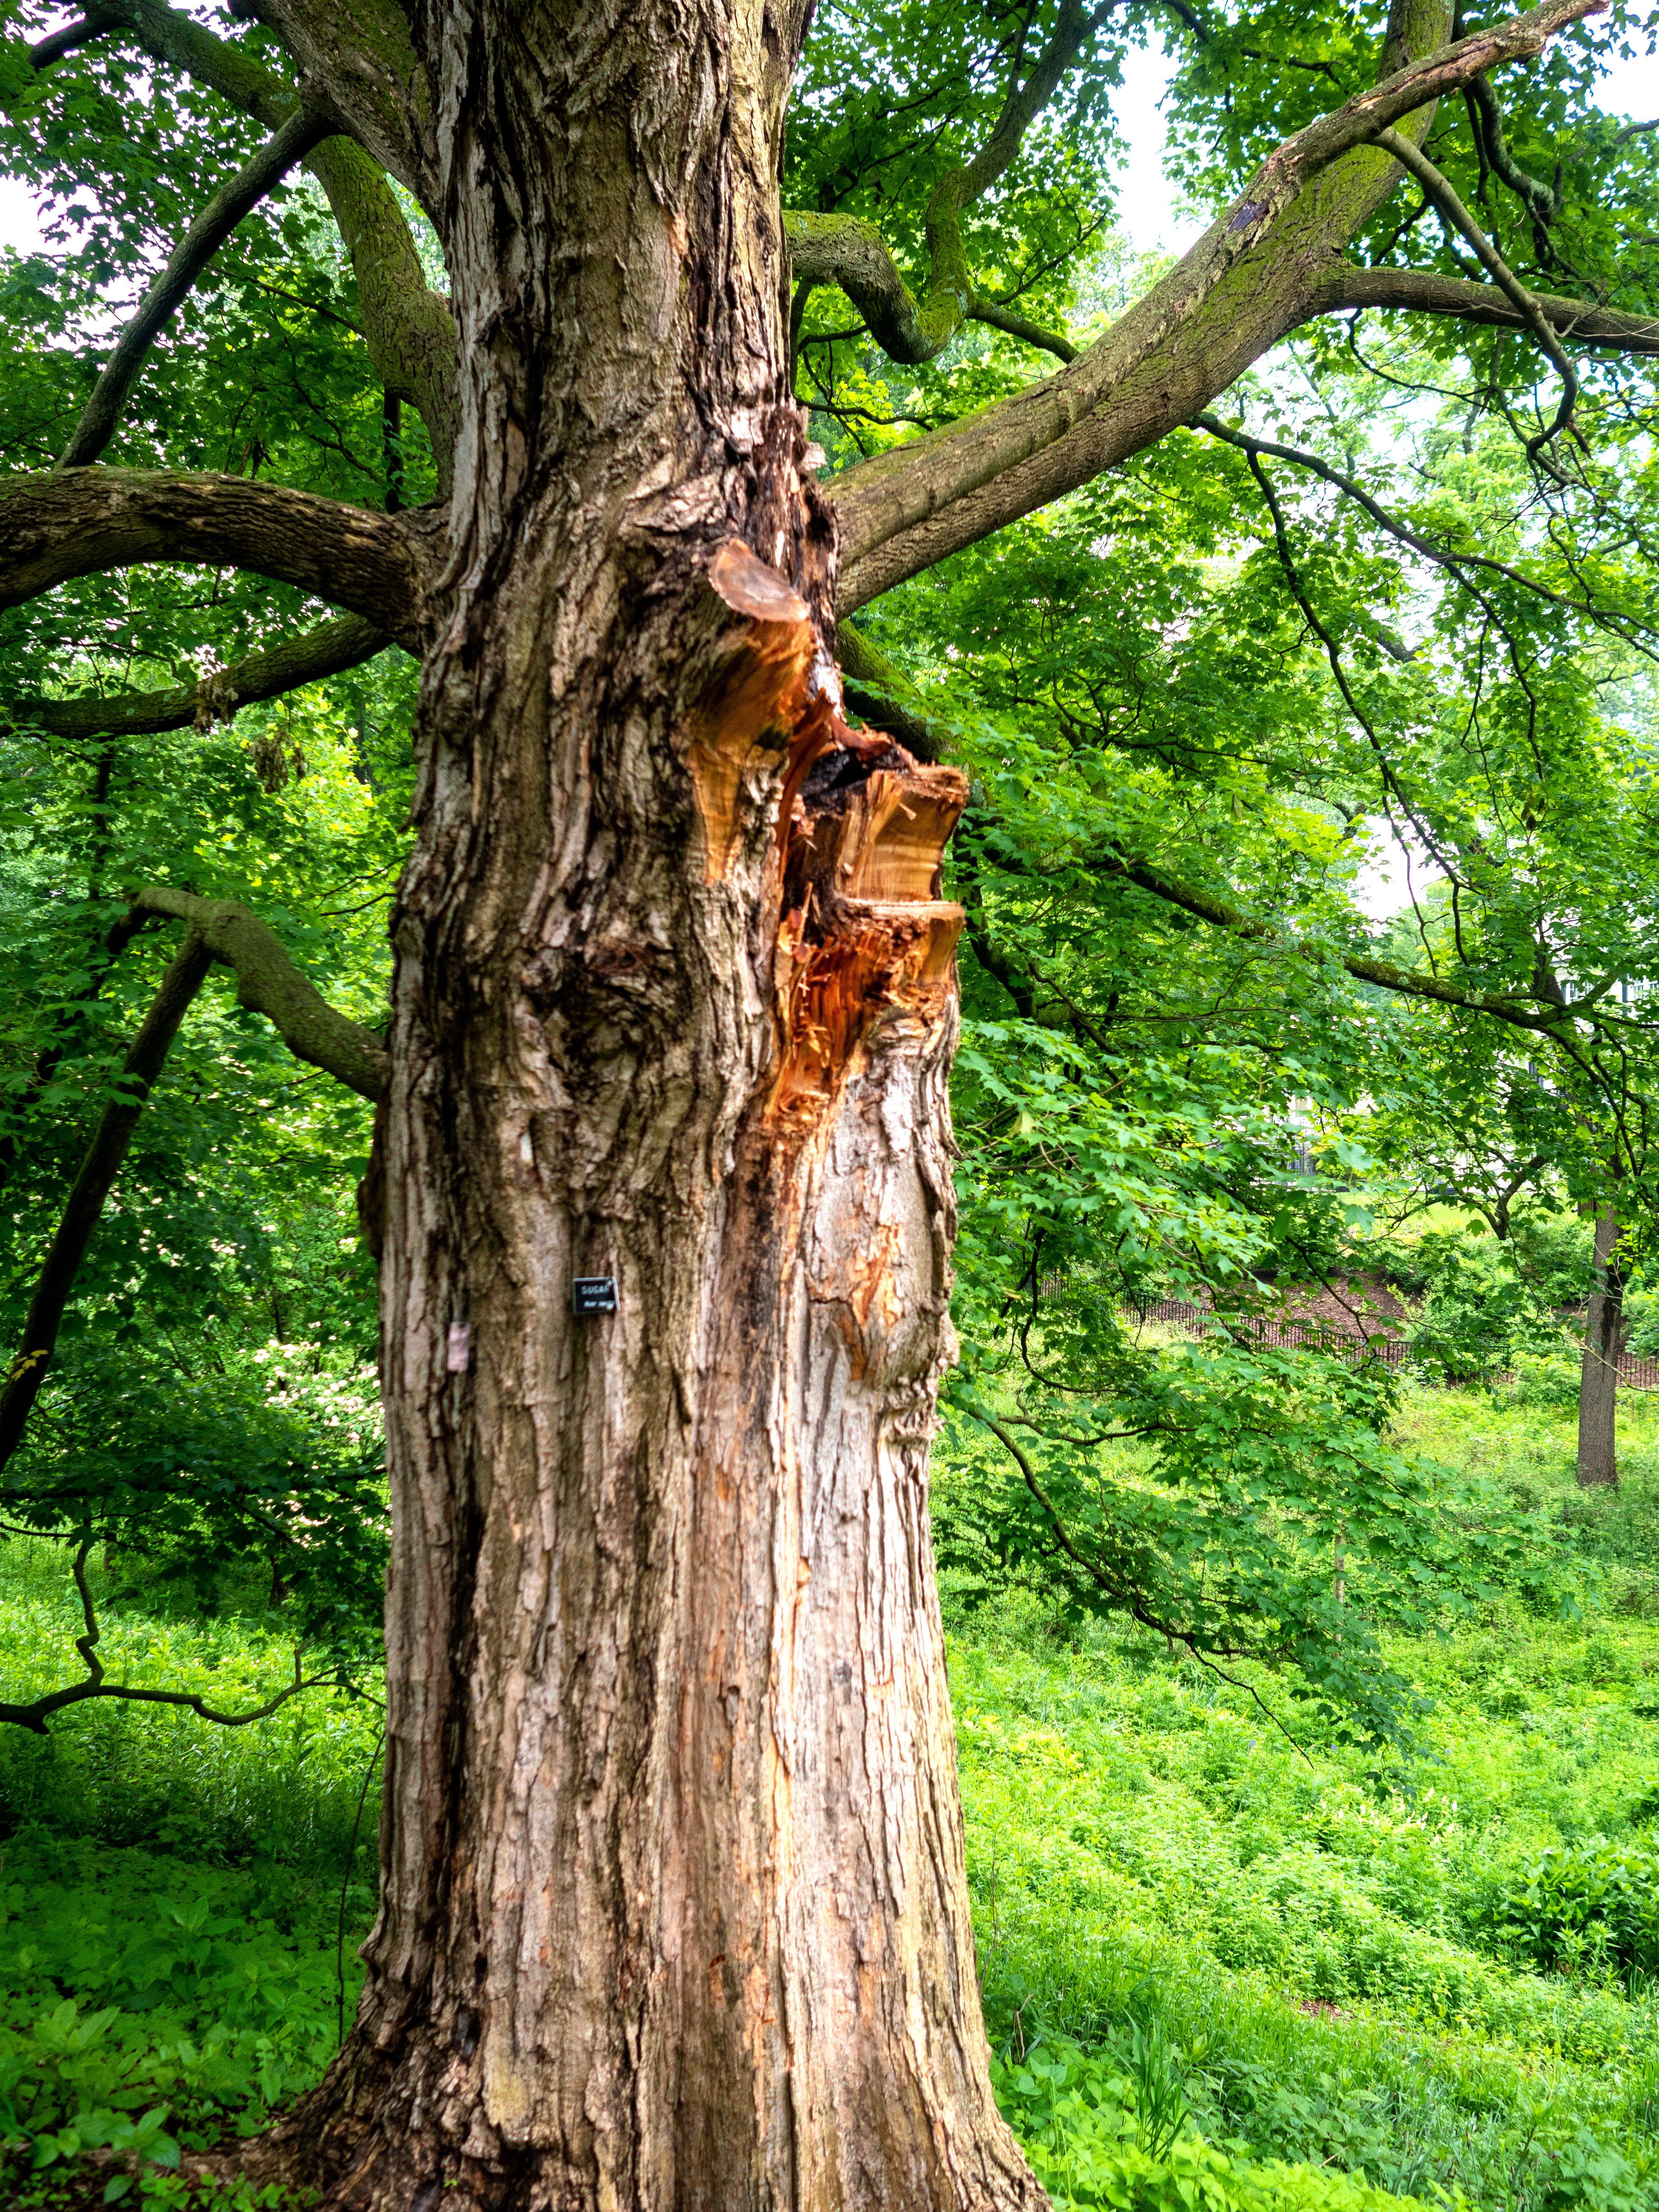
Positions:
{"x": 1478, "y": 1312}
{"x": 1086, "y": 2130}
{"x": 1550, "y": 1377}
{"x": 1583, "y": 1905}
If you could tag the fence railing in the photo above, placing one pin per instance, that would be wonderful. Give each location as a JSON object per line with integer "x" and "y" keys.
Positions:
{"x": 1349, "y": 1344}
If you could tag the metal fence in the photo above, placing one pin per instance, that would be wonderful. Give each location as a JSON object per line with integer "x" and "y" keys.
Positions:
{"x": 1351, "y": 1344}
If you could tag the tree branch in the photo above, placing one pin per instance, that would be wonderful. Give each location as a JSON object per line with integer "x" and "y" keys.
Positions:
{"x": 328, "y": 650}
{"x": 108, "y": 1148}
{"x": 408, "y": 327}
{"x": 35, "y": 1715}
{"x": 200, "y": 242}
{"x": 1457, "y": 217}
{"x": 358, "y": 59}
{"x": 81, "y": 522}
{"x": 268, "y": 983}
{"x": 847, "y": 250}
{"x": 1424, "y": 291}
{"x": 981, "y": 310}
{"x": 1253, "y": 273}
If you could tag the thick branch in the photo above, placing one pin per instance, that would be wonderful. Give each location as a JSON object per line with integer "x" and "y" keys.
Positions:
{"x": 1426, "y": 292}
{"x": 1251, "y": 275}
{"x": 358, "y": 57}
{"x": 250, "y": 183}
{"x": 92, "y": 1186}
{"x": 328, "y": 650}
{"x": 1457, "y": 217}
{"x": 82, "y": 521}
{"x": 268, "y": 983}
{"x": 847, "y": 250}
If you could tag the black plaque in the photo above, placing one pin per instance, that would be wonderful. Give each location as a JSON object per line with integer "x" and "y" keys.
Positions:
{"x": 593, "y": 1294}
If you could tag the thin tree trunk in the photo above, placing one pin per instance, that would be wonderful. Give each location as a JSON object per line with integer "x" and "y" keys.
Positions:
{"x": 674, "y": 1910}
{"x": 1604, "y": 1340}
{"x": 84, "y": 1208}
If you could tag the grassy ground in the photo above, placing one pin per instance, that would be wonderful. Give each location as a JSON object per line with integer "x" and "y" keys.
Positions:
{"x": 1186, "y": 1924}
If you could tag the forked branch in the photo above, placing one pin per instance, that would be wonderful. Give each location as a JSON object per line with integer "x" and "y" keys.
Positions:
{"x": 1457, "y": 217}
{"x": 201, "y": 241}
{"x": 35, "y": 1715}
{"x": 92, "y": 1186}
{"x": 847, "y": 251}
{"x": 904, "y": 510}
{"x": 267, "y": 982}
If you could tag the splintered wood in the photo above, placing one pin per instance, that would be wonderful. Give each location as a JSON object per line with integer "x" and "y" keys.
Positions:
{"x": 753, "y": 719}
{"x": 865, "y": 933}
{"x": 860, "y": 837}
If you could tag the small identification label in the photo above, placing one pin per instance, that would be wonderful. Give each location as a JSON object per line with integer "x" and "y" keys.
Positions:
{"x": 593, "y": 1294}
{"x": 459, "y": 1356}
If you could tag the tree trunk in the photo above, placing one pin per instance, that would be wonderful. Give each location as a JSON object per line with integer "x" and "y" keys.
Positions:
{"x": 674, "y": 1910}
{"x": 1604, "y": 1340}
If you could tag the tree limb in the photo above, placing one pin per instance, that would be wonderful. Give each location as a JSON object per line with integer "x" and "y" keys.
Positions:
{"x": 981, "y": 310}
{"x": 81, "y": 522}
{"x": 185, "y": 265}
{"x": 92, "y": 1186}
{"x": 268, "y": 983}
{"x": 1254, "y": 273}
{"x": 35, "y": 1715}
{"x": 407, "y": 326}
{"x": 1425, "y": 291}
{"x": 331, "y": 648}
{"x": 358, "y": 59}
{"x": 847, "y": 250}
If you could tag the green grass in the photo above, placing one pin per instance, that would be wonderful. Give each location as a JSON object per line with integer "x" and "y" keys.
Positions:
{"x": 1187, "y": 1925}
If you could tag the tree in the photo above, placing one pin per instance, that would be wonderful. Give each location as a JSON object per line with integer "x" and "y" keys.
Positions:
{"x": 673, "y": 1906}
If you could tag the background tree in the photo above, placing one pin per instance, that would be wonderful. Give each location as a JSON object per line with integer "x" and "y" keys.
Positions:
{"x": 672, "y": 1902}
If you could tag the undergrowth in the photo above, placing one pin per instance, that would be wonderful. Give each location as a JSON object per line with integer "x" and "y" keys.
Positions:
{"x": 1223, "y": 1972}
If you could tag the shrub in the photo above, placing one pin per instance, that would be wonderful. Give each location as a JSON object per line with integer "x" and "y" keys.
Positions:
{"x": 1591, "y": 1906}
{"x": 1086, "y": 2130}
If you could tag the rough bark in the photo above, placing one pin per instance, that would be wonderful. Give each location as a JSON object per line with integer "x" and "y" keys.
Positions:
{"x": 1604, "y": 1340}
{"x": 674, "y": 1906}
